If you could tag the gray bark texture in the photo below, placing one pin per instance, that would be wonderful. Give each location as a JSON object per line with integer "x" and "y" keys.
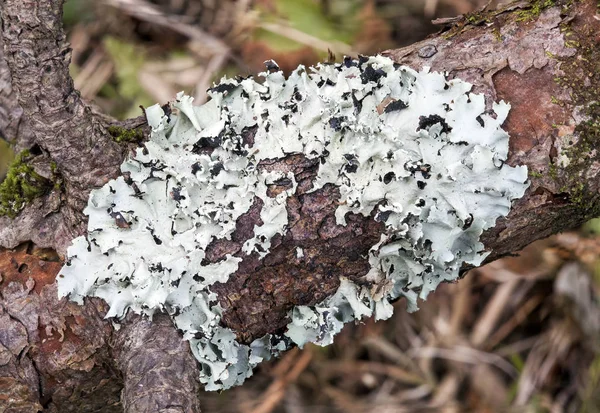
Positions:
{"x": 56, "y": 356}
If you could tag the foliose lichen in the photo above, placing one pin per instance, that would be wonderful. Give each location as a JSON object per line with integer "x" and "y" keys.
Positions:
{"x": 417, "y": 150}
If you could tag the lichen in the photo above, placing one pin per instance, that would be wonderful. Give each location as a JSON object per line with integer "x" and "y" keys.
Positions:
{"x": 21, "y": 186}
{"x": 124, "y": 135}
{"x": 417, "y": 151}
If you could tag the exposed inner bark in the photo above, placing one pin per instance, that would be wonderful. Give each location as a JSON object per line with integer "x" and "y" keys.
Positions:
{"x": 61, "y": 357}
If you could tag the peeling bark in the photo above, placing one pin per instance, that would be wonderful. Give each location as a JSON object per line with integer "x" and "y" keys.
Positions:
{"x": 58, "y": 356}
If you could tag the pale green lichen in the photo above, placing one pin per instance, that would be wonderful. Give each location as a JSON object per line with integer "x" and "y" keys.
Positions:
{"x": 417, "y": 151}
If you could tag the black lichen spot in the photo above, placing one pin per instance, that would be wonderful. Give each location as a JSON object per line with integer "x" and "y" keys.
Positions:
{"x": 327, "y": 82}
{"x": 224, "y": 88}
{"x": 291, "y": 106}
{"x": 389, "y": 177}
{"x": 383, "y": 216}
{"x": 421, "y": 202}
{"x": 198, "y": 278}
{"x": 216, "y": 169}
{"x": 336, "y": 123}
{"x": 357, "y": 104}
{"x": 176, "y": 193}
{"x": 127, "y": 178}
{"x": 396, "y": 105}
{"x": 421, "y": 184}
{"x": 352, "y": 165}
{"x": 156, "y": 239}
{"x": 425, "y": 122}
{"x": 248, "y": 134}
{"x": 297, "y": 95}
{"x": 350, "y": 62}
{"x": 271, "y": 66}
{"x": 468, "y": 222}
{"x": 286, "y": 119}
{"x": 196, "y": 167}
{"x": 207, "y": 145}
{"x": 324, "y": 156}
{"x": 480, "y": 120}
{"x": 372, "y": 75}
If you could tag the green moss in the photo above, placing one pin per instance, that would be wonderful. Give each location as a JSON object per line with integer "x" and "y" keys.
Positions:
{"x": 123, "y": 135}
{"x": 553, "y": 171}
{"x": 533, "y": 12}
{"x": 21, "y": 186}
{"x": 535, "y": 174}
{"x": 6, "y": 157}
{"x": 497, "y": 34}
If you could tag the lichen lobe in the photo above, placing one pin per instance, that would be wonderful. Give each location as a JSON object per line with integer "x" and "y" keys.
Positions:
{"x": 414, "y": 151}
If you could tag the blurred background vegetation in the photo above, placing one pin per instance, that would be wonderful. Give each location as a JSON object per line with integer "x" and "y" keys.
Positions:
{"x": 519, "y": 335}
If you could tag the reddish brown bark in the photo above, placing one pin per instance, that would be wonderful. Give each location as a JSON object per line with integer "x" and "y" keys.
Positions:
{"x": 63, "y": 357}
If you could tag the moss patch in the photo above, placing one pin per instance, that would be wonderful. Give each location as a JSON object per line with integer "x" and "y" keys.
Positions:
{"x": 123, "y": 135}
{"x": 533, "y": 12}
{"x": 21, "y": 186}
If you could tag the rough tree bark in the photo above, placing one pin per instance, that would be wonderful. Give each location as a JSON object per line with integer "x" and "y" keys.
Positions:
{"x": 57, "y": 356}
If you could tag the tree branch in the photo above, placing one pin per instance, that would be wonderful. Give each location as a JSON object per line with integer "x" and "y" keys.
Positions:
{"x": 545, "y": 66}
{"x": 13, "y": 126}
{"x": 62, "y": 125}
{"x": 158, "y": 368}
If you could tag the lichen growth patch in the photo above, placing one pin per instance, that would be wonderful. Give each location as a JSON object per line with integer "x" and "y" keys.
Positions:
{"x": 415, "y": 150}
{"x": 21, "y": 186}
